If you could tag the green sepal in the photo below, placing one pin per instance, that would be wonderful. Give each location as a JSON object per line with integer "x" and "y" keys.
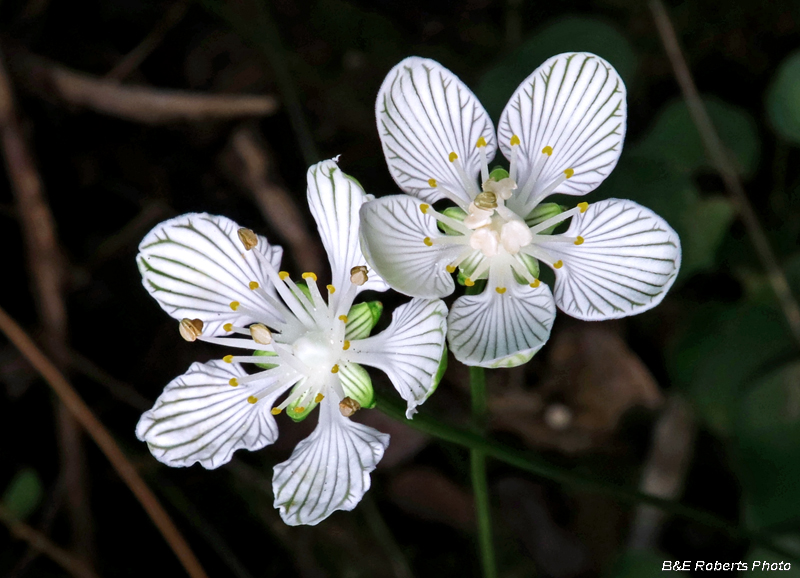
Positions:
{"x": 531, "y": 264}
{"x": 357, "y": 384}
{"x": 543, "y": 212}
{"x": 306, "y": 291}
{"x": 468, "y": 266}
{"x": 498, "y": 174}
{"x": 361, "y": 318}
{"x": 307, "y": 409}
{"x": 266, "y": 354}
{"x": 454, "y": 213}
{"x": 439, "y": 372}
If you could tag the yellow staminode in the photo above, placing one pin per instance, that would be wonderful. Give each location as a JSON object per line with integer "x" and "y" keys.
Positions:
{"x": 469, "y": 282}
{"x": 424, "y": 208}
{"x": 335, "y": 368}
{"x": 234, "y": 305}
{"x": 233, "y": 382}
{"x": 319, "y": 398}
{"x": 228, "y": 359}
{"x": 228, "y": 327}
{"x": 453, "y": 157}
{"x": 331, "y": 289}
{"x": 579, "y": 240}
{"x": 432, "y": 183}
{"x": 275, "y": 410}
{"x": 583, "y": 206}
{"x": 481, "y": 142}
{"x": 346, "y": 345}
{"x": 500, "y": 290}
{"x": 252, "y": 399}
{"x": 558, "y": 264}
{"x": 254, "y": 285}
{"x": 514, "y": 140}
{"x": 299, "y": 409}
{"x": 569, "y": 173}
{"x": 450, "y": 269}
{"x": 309, "y": 275}
{"x": 548, "y": 150}
{"x": 535, "y": 283}
{"x": 343, "y": 318}
{"x": 283, "y": 275}
{"x": 427, "y": 241}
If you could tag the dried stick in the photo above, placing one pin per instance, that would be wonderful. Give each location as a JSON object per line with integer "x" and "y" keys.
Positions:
{"x": 719, "y": 158}
{"x": 39, "y": 542}
{"x": 274, "y": 202}
{"x": 46, "y": 266}
{"x": 137, "y": 103}
{"x": 135, "y": 57}
{"x": 103, "y": 439}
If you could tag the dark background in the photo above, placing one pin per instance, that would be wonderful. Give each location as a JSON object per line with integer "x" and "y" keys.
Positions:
{"x": 714, "y": 368}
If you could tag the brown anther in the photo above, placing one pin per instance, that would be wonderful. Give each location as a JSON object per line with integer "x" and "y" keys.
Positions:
{"x": 248, "y": 238}
{"x": 191, "y": 329}
{"x": 348, "y": 406}
{"x": 358, "y": 275}
{"x": 486, "y": 200}
{"x": 260, "y": 334}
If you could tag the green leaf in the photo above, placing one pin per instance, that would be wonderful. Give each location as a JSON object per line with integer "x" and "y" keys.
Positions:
{"x": 639, "y": 564}
{"x": 704, "y": 224}
{"x": 266, "y": 354}
{"x": 783, "y": 99}
{"x": 357, "y": 384}
{"x": 361, "y": 319}
{"x": 24, "y": 494}
{"x": 790, "y": 542}
{"x": 569, "y": 34}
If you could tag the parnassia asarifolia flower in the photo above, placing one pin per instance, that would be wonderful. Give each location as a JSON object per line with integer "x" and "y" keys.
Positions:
{"x": 562, "y": 132}
{"x": 223, "y": 284}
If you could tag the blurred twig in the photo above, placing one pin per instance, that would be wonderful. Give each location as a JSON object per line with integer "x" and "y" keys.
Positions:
{"x": 256, "y": 174}
{"x": 137, "y": 103}
{"x": 383, "y": 535}
{"x": 41, "y": 543}
{"x": 47, "y": 269}
{"x": 107, "y": 445}
{"x": 720, "y": 160}
{"x": 135, "y": 57}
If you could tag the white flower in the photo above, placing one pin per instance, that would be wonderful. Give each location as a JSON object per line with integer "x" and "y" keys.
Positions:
{"x": 562, "y": 132}
{"x": 220, "y": 280}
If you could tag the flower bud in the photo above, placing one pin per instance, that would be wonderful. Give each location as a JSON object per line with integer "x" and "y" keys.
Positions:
{"x": 191, "y": 329}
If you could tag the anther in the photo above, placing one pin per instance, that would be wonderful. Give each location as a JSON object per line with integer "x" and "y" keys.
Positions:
{"x": 358, "y": 275}
{"x": 252, "y": 399}
{"x": 275, "y": 410}
{"x": 233, "y": 382}
{"x": 253, "y": 285}
{"x": 432, "y": 183}
{"x": 535, "y": 283}
{"x": 335, "y": 368}
{"x": 583, "y": 206}
{"x": 348, "y": 406}
{"x": 299, "y": 409}
{"x": 579, "y": 240}
{"x": 346, "y": 345}
{"x": 234, "y": 305}
{"x": 481, "y": 142}
{"x": 548, "y": 150}
{"x": 343, "y": 318}
{"x": 261, "y": 334}
{"x": 424, "y": 208}
{"x": 453, "y": 157}
{"x": 190, "y": 329}
{"x": 486, "y": 201}
{"x": 228, "y": 359}
{"x": 450, "y": 269}
{"x": 248, "y": 238}
{"x": 469, "y": 282}
{"x": 283, "y": 275}
{"x": 558, "y": 264}
{"x": 309, "y": 275}
{"x": 319, "y": 398}
{"x": 427, "y": 241}
{"x": 228, "y": 327}
{"x": 514, "y": 140}
{"x": 331, "y": 289}
{"x": 500, "y": 290}
{"x": 569, "y": 173}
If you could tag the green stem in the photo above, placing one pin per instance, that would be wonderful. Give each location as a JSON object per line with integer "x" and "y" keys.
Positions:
{"x": 480, "y": 488}
{"x": 534, "y": 464}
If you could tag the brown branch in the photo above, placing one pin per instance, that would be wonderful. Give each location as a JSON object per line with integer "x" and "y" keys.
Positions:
{"x": 70, "y": 398}
{"x": 720, "y": 160}
{"x": 41, "y": 543}
{"x": 50, "y": 80}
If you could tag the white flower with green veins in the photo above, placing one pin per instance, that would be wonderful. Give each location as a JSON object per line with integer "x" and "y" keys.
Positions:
{"x": 224, "y": 285}
{"x": 562, "y": 132}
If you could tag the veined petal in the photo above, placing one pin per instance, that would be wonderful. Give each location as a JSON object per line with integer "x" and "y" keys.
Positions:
{"x": 627, "y": 262}
{"x": 329, "y": 470}
{"x": 409, "y": 350}
{"x": 574, "y": 103}
{"x": 501, "y": 330}
{"x": 195, "y": 266}
{"x": 393, "y": 233}
{"x": 334, "y": 199}
{"x": 200, "y": 418}
{"x": 424, "y": 113}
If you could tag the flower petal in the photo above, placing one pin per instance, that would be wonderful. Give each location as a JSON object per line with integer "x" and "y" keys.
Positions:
{"x": 334, "y": 199}
{"x": 200, "y": 418}
{"x": 393, "y": 230}
{"x": 195, "y": 266}
{"x": 627, "y": 262}
{"x": 329, "y": 470}
{"x": 501, "y": 330}
{"x": 574, "y": 103}
{"x": 409, "y": 350}
{"x": 424, "y": 113}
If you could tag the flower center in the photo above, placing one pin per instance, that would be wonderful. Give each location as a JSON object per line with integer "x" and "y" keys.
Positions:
{"x": 316, "y": 351}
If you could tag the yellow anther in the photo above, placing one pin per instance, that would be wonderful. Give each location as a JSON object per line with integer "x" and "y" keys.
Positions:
{"x": 331, "y": 289}
{"x": 547, "y": 150}
{"x": 579, "y": 240}
{"x": 424, "y": 208}
{"x": 228, "y": 359}
{"x": 514, "y": 140}
{"x": 248, "y": 238}
{"x": 569, "y": 173}
{"x": 432, "y": 183}
{"x": 228, "y": 327}
{"x": 299, "y": 409}
{"x": 234, "y": 305}
{"x": 453, "y": 156}
{"x": 450, "y": 269}
{"x": 319, "y": 397}
{"x": 500, "y": 290}
{"x": 346, "y": 345}
{"x": 535, "y": 283}
{"x": 335, "y": 368}
{"x": 469, "y": 282}
{"x": 275, "y": 410}
{"x": 343, "y": 318}
{"x": 481, "y": 142}
{"x": 283, "y": 275}
{"x": 309, "y": 275}
{"x": 233, "y": 382}
{"x": 190, "y": 329}
{"x": 427, "y": 241}
{"x": 583, "y": 206}
{"x": 254, "y": 285}
{"x": 252, "y": 399}
{"x": 558, "y": 264}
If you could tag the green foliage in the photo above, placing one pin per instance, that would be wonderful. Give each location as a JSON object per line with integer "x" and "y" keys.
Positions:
{"x": 638, "y": 564}
{"x": 24, "y": 494}
{"x": 783, "y": 99}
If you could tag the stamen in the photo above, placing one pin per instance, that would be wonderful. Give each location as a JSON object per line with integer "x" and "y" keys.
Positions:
{"x": 512, "y": 172}
{"x": 432, "y": 183}
{"x": 450, "y": 268}
{"x": 346, "y": 345}
{"x": 299, "y": 409}
{"x": 481, "y": 144}
{"x": 579, "y": 240}
{"x": 233, "y": 382}
{"x": 548, "y": 150}
{"x": 291, "y": 299}
{"x": 253, "y": 285}
{"x": 555, "y": 220}
{"x": 248, "y": 238}
{"x": 234, "y": 305}
{"x": 319, "y": 397}
{"x": 427, "y": 241}
{"x": 228, "y": 327}
{"x": 275, "y": 410}
{"x": 228, "y": 359}
{"x": 469, "y": 282}
{"x": 252, "y": 399}
{"x": 309, "y": 275}
{"x": 348, "y": 406}
{"x": 449, "y": 221}
{"x": 534, "y": 176}
{"x": 190, "y": 329}
{"x": 358, "y": 275}
{"x": 331, "y": 289}
{"x": 424, "y": 208}
{"x": 283, "y": 275}
{"x": 245, "y": 359}
{"x": 261, "y": 334}
{"x": 460, "y": 259}
{"x": 335, "y": 368}
{"x": 535, "y": 283}
{"x": 569, "y": 173}
{"x": 583, "y": 206}
{"x": 558, "y": 264}
{"x": 469, "y": 184}
{"x": 343, "y": 318}
{"x": 500, "y": 290}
